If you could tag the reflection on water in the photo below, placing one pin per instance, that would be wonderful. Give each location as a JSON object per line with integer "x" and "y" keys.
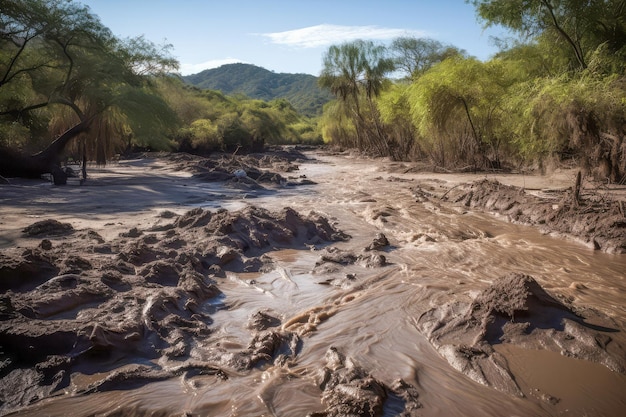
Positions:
{"x": 438, "y": 254}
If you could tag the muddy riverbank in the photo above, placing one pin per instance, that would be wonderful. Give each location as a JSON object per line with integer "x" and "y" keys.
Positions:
{"x": 310, "y": 284}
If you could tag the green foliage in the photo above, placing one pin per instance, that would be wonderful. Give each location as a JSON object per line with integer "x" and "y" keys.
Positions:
{"x": 214, "y": 122}
{"x": 61, "y": 68}
{"x": 300, "y": 90}
{"x": 580, "y": 116}
{"x": 559, "y": 92}
{"x": 576, "y": 28}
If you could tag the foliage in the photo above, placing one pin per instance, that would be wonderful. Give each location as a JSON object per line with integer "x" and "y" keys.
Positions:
{"x": 300, "y": 90}
{"x": 355, "y": 73}
{"x": 61, "y": 68}
{"x": 577, "y": 27}
{"x": 458, "y": 104}
{"x": 579, "y": 117}
{"x": 215, "y": 122}
{"x": 557, "y": 91}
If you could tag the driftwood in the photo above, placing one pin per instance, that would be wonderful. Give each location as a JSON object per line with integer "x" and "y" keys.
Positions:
{"x": 16, "y": 164}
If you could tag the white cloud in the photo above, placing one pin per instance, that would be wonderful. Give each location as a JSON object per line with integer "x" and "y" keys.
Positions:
{"x": 325, "y": 35}
{"x": 187, "y": 69}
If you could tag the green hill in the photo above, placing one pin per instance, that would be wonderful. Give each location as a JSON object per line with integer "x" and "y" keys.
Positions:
{"x": 301, "y": 90}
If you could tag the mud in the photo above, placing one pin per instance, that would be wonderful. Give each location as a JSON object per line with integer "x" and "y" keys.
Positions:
{"x": 177, "y": 285}
{"x": 597, "y": 220}
{"x": 250, "y": 171}
{"x": 516, "y": 310}
{"x": 349, "y": 390}
{"x": 140, "y": 298}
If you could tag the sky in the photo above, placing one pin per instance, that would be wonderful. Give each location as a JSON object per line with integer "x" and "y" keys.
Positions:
{"x": 288, "y": 36}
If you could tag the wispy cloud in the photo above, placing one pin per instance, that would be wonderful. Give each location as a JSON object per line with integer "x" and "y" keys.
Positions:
{"x": 187, "y": 69}
{"x": 325, "y": 35}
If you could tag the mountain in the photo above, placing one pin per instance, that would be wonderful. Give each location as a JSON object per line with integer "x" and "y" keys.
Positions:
{"x": 301, "y": 90}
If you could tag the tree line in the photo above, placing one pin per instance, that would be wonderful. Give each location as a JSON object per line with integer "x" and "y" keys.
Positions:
{"x": 71, "y": 89}
{"x": 557, "y": 90}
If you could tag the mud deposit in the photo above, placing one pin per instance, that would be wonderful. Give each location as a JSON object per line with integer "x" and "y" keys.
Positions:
{"x": 293, "y": 284}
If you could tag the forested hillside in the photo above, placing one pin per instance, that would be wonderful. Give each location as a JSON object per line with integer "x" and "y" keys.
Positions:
{"x": 301, "y": 90}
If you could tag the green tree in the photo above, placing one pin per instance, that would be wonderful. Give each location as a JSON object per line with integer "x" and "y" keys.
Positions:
{"x": 578, "y": 27}
{"x": 61, "y": 68}
{"x": 457, "y": 108}
{"x": 355, "y": 73}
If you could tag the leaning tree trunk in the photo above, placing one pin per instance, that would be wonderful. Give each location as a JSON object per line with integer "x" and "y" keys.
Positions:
{"x": 15, "y": 164}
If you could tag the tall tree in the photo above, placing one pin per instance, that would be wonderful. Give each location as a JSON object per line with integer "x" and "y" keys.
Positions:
{"x": 355, "y": 72}
{"x": 579, "y": 26}
{"x": 457, "y": 106}
{"x": 59, "y": 63}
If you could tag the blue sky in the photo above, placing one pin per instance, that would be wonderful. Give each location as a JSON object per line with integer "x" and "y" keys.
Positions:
{"x": 288, "y": 36}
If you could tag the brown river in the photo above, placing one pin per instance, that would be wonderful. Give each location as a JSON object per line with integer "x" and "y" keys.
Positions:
{"x": 436, "y": 255}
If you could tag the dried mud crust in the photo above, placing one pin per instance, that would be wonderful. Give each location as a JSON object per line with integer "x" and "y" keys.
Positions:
{"x": 147, "y": 295}
{"x": 597, "y": 220}
{"x": 516, "y": 310}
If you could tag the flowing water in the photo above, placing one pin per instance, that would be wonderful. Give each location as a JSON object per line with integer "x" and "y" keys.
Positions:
{"x": 437, "y": 254}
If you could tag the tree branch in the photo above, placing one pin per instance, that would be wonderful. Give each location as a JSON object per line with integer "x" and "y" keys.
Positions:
{"x": 577, "y": 50}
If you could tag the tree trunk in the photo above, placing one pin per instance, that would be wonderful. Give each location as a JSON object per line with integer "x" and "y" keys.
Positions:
{"x": 16, "y": 164}
{"x": 577, "y": 184}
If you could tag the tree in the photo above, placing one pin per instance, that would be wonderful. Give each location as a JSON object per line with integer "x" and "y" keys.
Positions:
{"x": 458, "y": 107}
{"x": 355, "y": 72}
{"x": 414, "y": 56}
{"x": 580, "y": 27}
{"x": 60, "y": 67}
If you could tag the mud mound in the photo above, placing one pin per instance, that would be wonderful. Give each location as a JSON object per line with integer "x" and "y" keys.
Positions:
{"x": 148, "y": 297}
{"x": 597, "y": 220}
{"x": 348, "y": 390}
{"x": 515, "y": 309}
{"x": 245, "y": 171}
{"x": 48, "y": 227}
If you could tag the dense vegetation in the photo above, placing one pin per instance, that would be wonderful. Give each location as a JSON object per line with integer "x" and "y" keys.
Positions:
{"x": 558, "y": 91}
{"x": 70, "y": 88}
{"x": 301, "y": 90}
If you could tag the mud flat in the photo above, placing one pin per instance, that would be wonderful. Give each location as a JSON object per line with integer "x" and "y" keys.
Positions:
{"x": 281, "y": 285}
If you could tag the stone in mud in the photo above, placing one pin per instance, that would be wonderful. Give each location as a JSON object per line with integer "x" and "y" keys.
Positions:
{"x": 375, "y": 260}
{"x": 348, "y": 390}
{"x": 272, "y": 347}
{"x": 333, "y": 258}
{"x": 515, "y": 309}
{"x": 337, "y": 256}
{"x": 262, "y": 321}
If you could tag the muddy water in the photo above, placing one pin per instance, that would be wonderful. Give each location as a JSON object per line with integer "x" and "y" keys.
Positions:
{"x": 437, "y": 254}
